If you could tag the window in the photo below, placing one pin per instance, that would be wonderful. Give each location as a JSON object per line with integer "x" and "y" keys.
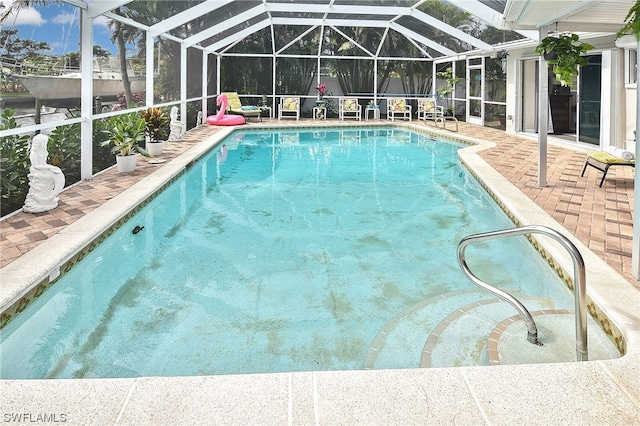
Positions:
{"x": 631, "y": 66}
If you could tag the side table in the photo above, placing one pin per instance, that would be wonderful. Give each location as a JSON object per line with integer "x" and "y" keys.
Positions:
{"x": 375, "y": 110}
{"x": 267, "y": 109}
{"x": 319, "y": 113}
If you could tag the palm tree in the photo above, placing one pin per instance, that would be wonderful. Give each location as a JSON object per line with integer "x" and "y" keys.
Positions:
{"x": 120, "y": 36}
{"x": 450, "y": 15}
{"x": 154, "y": 11}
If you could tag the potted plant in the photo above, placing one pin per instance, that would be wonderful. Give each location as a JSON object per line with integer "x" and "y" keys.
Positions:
{"x": 126, "y": 132}
{"x": 322, "y": 90}
{"x": 156, "y": 129}
{"x": 564, "y": 53}
{"x": 449, "y": 86}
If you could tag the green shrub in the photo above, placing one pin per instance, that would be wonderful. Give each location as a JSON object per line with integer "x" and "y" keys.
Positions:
{"x": 102, "y": 156}
{"x": 14, "y": 166}
{"x": 64, "y": 152}
{"x": 64, "y": 149}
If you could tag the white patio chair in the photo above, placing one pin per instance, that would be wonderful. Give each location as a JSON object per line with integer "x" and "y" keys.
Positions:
{"x": 349, "y": 106}
{"x": 428, "y": 109}
{"x": 398, "y": 106}
{"x": 289, "y": 108}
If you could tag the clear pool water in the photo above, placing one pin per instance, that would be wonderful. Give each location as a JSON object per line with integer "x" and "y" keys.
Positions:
{"x": 281, "y": 251}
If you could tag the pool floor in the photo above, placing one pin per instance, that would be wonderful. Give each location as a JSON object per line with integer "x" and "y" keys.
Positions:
{"x": 248, "y": 295}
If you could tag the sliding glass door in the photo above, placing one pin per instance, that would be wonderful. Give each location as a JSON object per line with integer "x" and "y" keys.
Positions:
{"x": 590, "y": 96}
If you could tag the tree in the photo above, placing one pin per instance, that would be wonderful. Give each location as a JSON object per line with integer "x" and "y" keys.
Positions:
{"x": 119, "y": 36}
{"x": 18, "y": 48}
{"x": 100, "y": 52}
{"x": 150, "y": 12}
{"x": 356, "y": 75}
{"x": 450, "y": 83}
{"x": 450, "y": 15}
{"x": 18, "y": 53}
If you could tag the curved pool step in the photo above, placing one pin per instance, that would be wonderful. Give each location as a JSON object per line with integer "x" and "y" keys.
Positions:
{"x": 556, "y": 329}
{"x": 461, "y": 338}
{"x": 401, "y": 340}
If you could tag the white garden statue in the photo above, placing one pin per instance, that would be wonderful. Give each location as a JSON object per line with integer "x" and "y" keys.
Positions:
{"x": 199, "y": 119}
{"x": 45, "y": 181}
{"x": 176, "y": 127}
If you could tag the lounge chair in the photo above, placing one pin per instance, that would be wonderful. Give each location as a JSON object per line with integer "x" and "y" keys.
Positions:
{"x": 428, "y": 109}
{"x": 602, "y": 160}
{"x": 349, "y": 106}
{"x": 236, "y": 107}
{"x": 289, "y": 108}
{"x": 398, "y": 106}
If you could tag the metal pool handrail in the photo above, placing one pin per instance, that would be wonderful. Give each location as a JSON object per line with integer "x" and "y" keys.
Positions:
{"x": 579, "y": 277}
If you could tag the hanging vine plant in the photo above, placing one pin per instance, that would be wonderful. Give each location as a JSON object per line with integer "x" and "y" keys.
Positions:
{"x": 564, "y": 53}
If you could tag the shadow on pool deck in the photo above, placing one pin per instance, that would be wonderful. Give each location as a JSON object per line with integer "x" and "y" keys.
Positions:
{"x": 600, "y": 217}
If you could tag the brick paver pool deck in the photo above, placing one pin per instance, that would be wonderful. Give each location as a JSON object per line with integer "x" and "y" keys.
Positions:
{"x": 601, "y": 217}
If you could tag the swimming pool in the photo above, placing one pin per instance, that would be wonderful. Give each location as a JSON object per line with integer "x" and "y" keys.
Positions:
{"x": 269, "y": 227}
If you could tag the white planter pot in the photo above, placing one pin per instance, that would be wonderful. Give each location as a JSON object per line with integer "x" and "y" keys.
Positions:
{"x": 126, "y": 163}
{"x": 155, "y": 148}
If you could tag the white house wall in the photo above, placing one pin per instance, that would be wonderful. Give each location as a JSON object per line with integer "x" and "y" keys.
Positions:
{"x": 529, "y": 92}
{"x": 618, "y": 103}
{"x": 511, "y": 93}
{"x": 629, "y": 95}
{"x": 612, "y": 119}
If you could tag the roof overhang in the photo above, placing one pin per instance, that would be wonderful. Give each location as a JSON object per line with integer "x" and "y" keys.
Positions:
{"x": 562, "y": 15}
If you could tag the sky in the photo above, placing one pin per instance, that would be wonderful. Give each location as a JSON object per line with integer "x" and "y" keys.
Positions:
{"x": 58, "y": 25}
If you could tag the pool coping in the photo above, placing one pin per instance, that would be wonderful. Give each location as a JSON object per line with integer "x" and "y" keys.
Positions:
{"x": 605, "y": 391}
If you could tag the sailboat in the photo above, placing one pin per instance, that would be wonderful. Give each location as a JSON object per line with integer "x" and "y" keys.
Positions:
{"x": 107, "y": 82}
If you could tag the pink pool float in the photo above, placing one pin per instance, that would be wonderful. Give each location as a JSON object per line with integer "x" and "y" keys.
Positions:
{"x": 222, "y": 119}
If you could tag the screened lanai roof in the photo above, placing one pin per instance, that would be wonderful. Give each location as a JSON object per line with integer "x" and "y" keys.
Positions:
{"x": 216, "y": 26}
